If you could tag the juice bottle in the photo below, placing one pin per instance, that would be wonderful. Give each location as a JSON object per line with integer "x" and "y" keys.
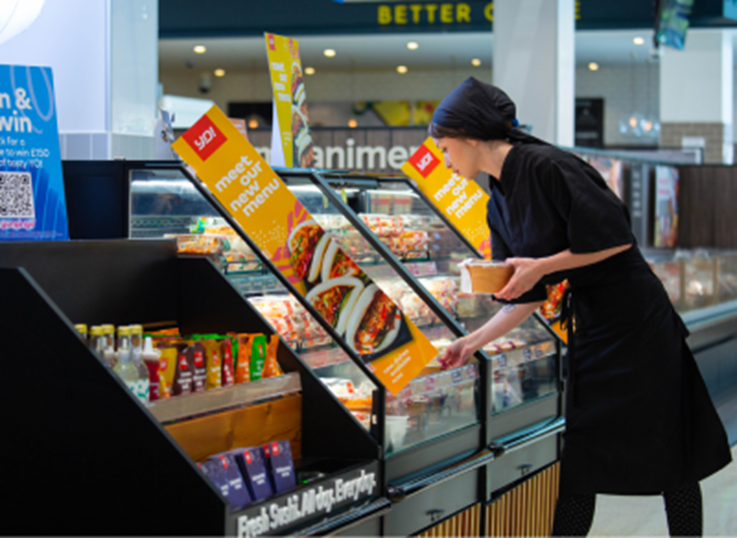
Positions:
{"x": 143, "y": 385}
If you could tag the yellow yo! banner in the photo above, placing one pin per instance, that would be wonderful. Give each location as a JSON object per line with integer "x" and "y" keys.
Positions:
{"x": 369, "y": 322}
{"x": 461, "y": 200}
{"x": 291, "y": 140}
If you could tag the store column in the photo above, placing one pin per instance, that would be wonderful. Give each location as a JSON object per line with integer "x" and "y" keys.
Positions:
{"x": 696, "y": 89}
{"x": 534, "y": 62}
{"x": 104, "y": 57}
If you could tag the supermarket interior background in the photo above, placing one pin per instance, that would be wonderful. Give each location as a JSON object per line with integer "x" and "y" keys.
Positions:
{"x": 652, "y": 110}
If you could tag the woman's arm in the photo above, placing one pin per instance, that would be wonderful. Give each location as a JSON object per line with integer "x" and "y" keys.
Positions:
{"x": 529, "y": 271}
{"x": 458, "y": 353}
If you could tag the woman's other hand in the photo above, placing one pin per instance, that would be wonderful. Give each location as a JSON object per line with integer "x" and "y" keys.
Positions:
{"x": 527, "y": 273}
{"x": 457, "y": 354}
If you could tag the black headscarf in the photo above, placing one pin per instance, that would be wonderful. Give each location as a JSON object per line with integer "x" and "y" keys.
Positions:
{"x": 482, "y": 112}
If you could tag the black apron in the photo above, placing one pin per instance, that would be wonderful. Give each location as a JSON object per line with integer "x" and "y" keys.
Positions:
{"x": 639, "y": 419}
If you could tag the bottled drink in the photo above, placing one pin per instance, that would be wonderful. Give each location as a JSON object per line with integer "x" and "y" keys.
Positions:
{"x": 137, "y": 337}
{"x": 143, "y": 386}
{"x": 124, "y": 338}
{"x": 82, "y": 330}
{"x": 108, "y": 352}
{"x": 126, "y": 370}
{"x": 97, "y": 340}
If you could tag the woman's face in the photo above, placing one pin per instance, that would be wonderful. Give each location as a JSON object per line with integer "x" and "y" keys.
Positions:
{"x": 461, "y": 155}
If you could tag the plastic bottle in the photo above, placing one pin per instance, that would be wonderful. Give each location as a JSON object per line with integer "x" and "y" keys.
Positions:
{"x": 126, "y": 370}
{"x": 108, "y": 352}
{"x": 97, "y": 340}
{"x": 143, "y": 384}
{"x": 124, "y": 338}
{"x": 136, "y": 337}
{"x": 151, "y": 361}
{"x": 82, "y": 330}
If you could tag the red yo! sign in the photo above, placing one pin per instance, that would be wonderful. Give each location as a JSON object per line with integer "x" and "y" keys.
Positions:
{"x": 204, "y": 137}
{"x": 424, "y": 161}
{"x": 183, "y": 362}
{"x": 247, "y": 455}
{"x": 275, "y": 449}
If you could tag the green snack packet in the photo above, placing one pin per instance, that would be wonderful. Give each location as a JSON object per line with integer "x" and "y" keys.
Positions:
{"x": 259, "y": 344}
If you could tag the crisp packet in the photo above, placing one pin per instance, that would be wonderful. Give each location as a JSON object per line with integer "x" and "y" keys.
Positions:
{"x": 214, "y": 362}
{"x": 259, "y": 345}
{"x": 243, "y": 366}
{"x": 271, "y": 366}
{"x": 196, "y": 355}
{"x": 228, "y": 373}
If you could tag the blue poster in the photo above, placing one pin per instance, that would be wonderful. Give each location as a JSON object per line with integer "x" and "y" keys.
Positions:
{"x": 32, "y": 203}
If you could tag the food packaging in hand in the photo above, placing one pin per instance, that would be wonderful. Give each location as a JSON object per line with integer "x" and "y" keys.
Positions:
{"x": 483, "y": 276}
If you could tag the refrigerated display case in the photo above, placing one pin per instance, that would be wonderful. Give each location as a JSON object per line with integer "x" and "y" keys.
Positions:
{"x": 129, "y": 467}
{"x": 462, "y": 428}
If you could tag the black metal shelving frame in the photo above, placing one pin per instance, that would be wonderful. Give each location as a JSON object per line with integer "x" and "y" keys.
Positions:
{"x": 83, "y": 450}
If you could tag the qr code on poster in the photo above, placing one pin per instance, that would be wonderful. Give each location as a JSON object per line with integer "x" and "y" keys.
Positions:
{"x": 16, "y": 195}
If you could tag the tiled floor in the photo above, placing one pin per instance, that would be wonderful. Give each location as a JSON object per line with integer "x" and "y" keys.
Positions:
{"x": 645, "y": 516}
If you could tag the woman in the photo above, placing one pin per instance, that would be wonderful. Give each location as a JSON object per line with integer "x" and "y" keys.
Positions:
{"x": 638, "y": 417}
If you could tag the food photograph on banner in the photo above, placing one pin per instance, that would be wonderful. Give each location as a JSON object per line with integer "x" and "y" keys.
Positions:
{"x": 361, "y": 314}
{"x": 666, "y": 207}
{"x": 32, "y": 199}
{"x": 291, "y": 143}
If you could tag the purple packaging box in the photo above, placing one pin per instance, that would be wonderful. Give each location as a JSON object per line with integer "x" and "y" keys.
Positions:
{"x": 253, "y": 468}
{"x": 280, "y": 465}
{"x": 238, "y": 494}
{"x": 215, "y": 473}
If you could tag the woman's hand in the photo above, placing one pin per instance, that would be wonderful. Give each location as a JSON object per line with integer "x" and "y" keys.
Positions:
{"x": 527, "y": 273}
{"x": 457, "y": 354}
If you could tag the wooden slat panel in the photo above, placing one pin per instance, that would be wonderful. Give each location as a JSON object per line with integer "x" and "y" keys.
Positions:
{"x": 526, "y": 510}
{"x": 256, "y": 425}
{"x": 466, "y": 523}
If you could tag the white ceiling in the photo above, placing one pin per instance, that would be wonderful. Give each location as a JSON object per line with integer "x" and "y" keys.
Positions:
{"x": 387, "y": 51}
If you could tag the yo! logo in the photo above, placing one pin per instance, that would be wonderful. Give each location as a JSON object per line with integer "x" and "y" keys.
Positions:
{"x": 204, "y": 137}
{"x": 424, "y": 161}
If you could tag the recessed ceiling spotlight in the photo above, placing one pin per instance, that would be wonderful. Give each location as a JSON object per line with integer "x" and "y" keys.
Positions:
{"x": 412, "y": 45}
{"x": 329, "y": 53}
{"x": 638, "y": 41}
{"x": 253, "y": 124}
{"x": 401, "y": 69}
{"x": 593, "y": 66}
{"x": 309, "y": 70}
{"x": 475, "y": 62}
{"x": 219, "y": 72}
{"x": 200, "y": 49}
{"x": 352, "y": 123}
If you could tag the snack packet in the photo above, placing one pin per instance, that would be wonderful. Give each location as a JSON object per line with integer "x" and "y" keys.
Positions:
{"x": 196, "y": 356}
{"x": 271, "y": 366}
{"x": 253, "y": 468}
{"x": 243, "y": 366}
{"x": 183, "y": 382}
{"x": 228, "y": 374}
{"x": 238, "y": 494}
{"x": 280, "y": 465}
{"x": 214, "y": 363}
{"x": 259, "y": 345}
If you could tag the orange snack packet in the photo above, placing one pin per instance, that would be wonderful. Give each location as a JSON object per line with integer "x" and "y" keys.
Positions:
{"x": 271, "y": 366}
{"x": 243, "y": 365}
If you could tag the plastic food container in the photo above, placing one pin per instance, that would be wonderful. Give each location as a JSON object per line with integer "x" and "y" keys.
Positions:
{"x": 483, "y": 276}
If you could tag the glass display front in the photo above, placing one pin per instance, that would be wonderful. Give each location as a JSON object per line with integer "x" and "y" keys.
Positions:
{"x": 164, "y": 203}
{"x": 696, "y": 279}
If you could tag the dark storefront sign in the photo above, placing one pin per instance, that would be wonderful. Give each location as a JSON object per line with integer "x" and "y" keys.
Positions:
{"x": 590, "y": 123}
{"x": 220, "y": 18}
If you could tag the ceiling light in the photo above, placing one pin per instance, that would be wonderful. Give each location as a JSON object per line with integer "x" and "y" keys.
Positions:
{"x": 633, "y": 122}
{"x": 200, "y": 49}
{"x": 253, "y": 124}
{"x": 412, "y": 45}
{"x": 309, "y": 70}
{"x": 475, "y": 62}
{"x": 329, "y": 53}
{"x": 593, "y": 66}
{"x": 219, "y": 72}
{"x": 638, "y": 41}
{"x": 401, "y": 69}
{"x": 352, "y": 123}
